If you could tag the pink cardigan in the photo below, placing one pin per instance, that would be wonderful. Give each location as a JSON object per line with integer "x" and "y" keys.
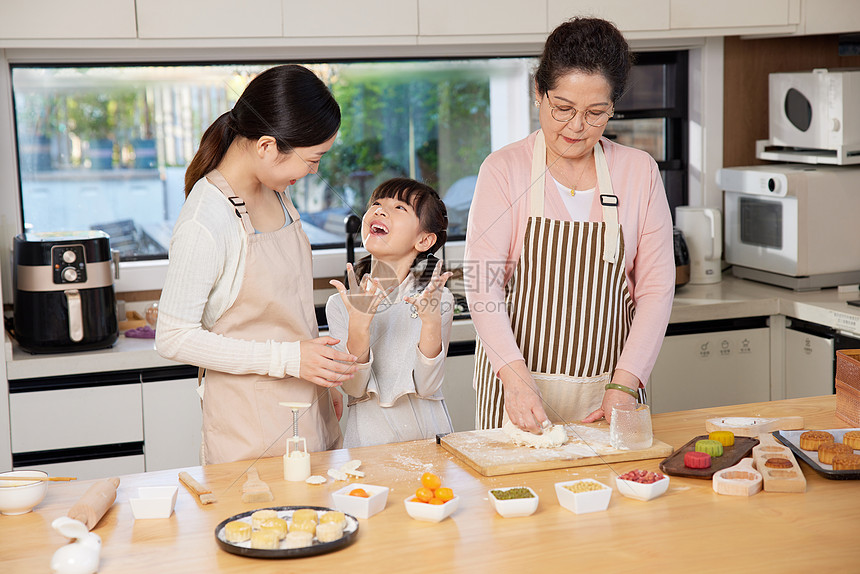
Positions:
{"x": 494, "y": 241}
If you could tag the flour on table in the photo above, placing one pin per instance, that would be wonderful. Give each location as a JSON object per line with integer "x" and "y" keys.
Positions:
{"x": 551, "y": 438}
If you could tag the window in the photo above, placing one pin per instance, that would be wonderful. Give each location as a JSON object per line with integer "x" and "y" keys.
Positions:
{"x": 106, "y": 147}
{"x": 652, "y": 116}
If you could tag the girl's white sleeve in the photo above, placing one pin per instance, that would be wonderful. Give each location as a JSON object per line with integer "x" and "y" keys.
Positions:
{"x": 196, "y": 263}
{"x": 429, "y": 373}
{"x": 338, "y": 327}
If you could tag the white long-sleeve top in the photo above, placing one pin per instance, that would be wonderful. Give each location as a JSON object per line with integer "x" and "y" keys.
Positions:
{"x": 396, "y": 396}
{"x": 204, "y": 276}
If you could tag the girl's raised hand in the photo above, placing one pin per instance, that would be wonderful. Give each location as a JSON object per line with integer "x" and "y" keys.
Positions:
{"x": 428, "y": 304}
{"x": 361, "y": 299}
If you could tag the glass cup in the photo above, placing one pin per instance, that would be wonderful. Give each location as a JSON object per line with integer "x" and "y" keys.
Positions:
{"x": 630, "y": 427}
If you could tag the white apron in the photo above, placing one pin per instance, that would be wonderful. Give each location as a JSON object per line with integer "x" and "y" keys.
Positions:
{"x": 569, "y": 305}
{"x": 241, "y": 415}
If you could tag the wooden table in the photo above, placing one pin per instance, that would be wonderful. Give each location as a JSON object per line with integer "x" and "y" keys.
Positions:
{"x": 690, "y": 528}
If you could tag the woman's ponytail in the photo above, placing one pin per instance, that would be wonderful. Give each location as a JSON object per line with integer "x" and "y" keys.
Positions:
{"x": 213, "y": 145}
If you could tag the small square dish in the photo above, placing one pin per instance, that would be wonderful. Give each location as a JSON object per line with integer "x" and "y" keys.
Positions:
{"x": 360, "y": 506}
{"x": 642, "y": 490}
{"x": 154, "y": 502}
{"x": 594, "y": 499}
{"x": 524, "y": 504}
{"x": 427, "y": 512}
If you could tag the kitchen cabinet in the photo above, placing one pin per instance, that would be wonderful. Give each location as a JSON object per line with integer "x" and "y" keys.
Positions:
{"x": 628, "y": 16}
{"x": 91, "y": 468}
{"x": 457, "y": 388}
{"x": 476, "y": 17}
{"x": 64, "y": 19}
{"x": 808, "y": 364}
{"x": 810, "y": 357}
{"x": 210, "y": 19}
{"x": 102, "y": 424}
{"x": 172, "y": 423}
{"x": 711, "y": 363}
{"x": 335, "y": 18}
{"x": 830, "y": 16}
{"x": 408, "y": 21}
{"x": 693, "y": 14}
{"x": 86, "y": 432}
{"x": 77, "y": 417}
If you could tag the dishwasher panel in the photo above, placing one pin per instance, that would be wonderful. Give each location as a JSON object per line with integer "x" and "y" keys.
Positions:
{"x": 711, "y": 368}
{"x": 808, "y": 364}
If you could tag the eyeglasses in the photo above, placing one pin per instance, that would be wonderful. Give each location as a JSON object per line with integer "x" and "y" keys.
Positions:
{"x": 564, "y": 114}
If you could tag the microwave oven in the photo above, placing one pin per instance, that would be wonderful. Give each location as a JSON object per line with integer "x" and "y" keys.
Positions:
{"x": 815, "y": 110}
{"x": 793, "y": 225}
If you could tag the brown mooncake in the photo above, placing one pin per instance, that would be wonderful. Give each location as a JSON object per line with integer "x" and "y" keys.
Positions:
{"x": 852, "y": 439}
{"x": 846, "y": 462}
{"x": 811, "y": 440}
{"x": 778, "y": 462}
{"x": 826, "y": 452}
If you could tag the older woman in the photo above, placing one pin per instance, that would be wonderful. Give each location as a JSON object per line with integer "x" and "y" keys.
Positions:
{"x": 570, "y": 246}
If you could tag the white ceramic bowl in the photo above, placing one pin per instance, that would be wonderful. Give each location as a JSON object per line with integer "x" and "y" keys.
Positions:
{"x": 21, "y": 497}
{"x": 514, "y": 507}
{"x": 153, "y": 502}
{"x": 430, "y": 512}
{"x": 640, "y": 491}
{"x": 583, "y": 502}
{"x": 358, "y": 506}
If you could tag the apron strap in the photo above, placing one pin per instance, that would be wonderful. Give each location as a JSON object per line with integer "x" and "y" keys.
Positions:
{"x": 238, "y": 205}
{"x": 609, "y": 201}
{"x": 538, "y": 176}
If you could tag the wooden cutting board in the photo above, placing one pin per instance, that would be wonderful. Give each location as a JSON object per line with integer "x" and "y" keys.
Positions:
{"x": 491, "y": 452}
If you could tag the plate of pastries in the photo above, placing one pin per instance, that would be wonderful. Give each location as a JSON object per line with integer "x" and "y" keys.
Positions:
{"x": 286, "y": 532}
{"x": 833, "y": 453}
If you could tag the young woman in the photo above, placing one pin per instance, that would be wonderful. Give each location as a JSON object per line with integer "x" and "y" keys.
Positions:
{"x": 238, "y": 298}
{"x": 396, "y": 324}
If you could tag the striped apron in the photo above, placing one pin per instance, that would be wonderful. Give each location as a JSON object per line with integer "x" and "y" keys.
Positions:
{"x": 568, "y": 303}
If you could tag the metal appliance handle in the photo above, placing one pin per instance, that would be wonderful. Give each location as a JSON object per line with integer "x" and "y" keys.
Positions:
{"x": 114, "y": 257}
{"x": 76, "y": 319}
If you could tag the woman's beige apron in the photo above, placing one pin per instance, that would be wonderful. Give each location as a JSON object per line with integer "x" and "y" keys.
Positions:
{"x": 241, "y": 415}
{"x": 569, "y": 306}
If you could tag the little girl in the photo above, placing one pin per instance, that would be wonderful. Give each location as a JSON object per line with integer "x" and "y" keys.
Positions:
{"x": 398, "y": 326}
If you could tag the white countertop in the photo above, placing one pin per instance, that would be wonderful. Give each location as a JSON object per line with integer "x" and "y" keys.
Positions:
{"x": 731, "y": 298}
{"x": 126, "y": 354}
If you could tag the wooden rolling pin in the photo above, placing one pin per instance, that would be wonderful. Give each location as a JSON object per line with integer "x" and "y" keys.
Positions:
{"x": 95, "y": 502}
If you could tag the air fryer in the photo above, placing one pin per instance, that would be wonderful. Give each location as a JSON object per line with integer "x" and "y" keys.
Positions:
{"x": 64, "y": 297}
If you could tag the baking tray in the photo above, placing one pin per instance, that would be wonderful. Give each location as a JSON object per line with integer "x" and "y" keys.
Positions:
{"x": 285, "y": 512}
{"x": 674, "y": 464}
{"x": 791, "y": 439}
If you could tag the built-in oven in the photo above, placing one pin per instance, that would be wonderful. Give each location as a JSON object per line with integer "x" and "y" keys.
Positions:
{"x": 793, "y": 225}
